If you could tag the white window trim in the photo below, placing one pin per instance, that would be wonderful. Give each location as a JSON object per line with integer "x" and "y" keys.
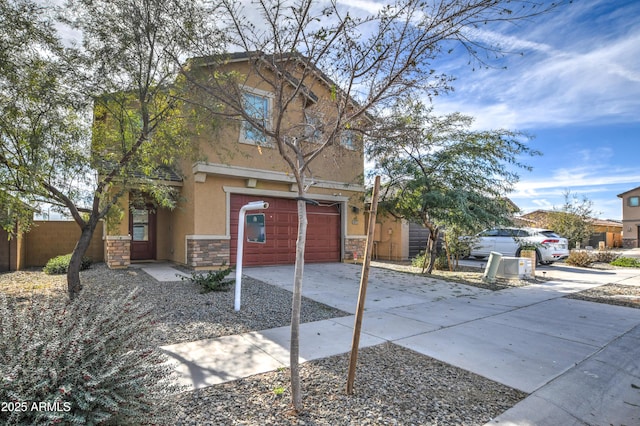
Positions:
{"x": 270, "y": 98}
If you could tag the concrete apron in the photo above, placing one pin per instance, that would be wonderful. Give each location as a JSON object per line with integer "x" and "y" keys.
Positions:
{"x": 579, "y": 360}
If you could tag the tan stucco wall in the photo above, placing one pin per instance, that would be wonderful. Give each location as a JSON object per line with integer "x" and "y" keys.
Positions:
{"x": 392, "y": 238}
{"x": 630, "y": 213}
{"x": 630, "y": 220}
{"x": 164, "y": 236}
{"x": 203, "y": 209}
{"x": 211, "y": 206}
{"x": 223, "y": 145}
{"x": 48, "y": 239}
{"x": 211, "y": 209}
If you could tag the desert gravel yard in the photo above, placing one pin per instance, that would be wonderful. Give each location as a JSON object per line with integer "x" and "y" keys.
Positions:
{"x": 183, "y": 313}
{"x": 394, "y": 385}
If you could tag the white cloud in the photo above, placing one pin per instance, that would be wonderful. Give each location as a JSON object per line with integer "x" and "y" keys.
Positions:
{"x": 570, "y": 178}
{"x": 567, "y": 75}
{"x": 371, "y": 7}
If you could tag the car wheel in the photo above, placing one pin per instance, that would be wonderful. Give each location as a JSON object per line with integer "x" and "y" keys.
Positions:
{"x": 538, "y": 258}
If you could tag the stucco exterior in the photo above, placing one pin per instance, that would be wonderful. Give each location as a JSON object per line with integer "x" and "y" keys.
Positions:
{"x": 198, "y": 231}
{"x": 630, "y": 218}
{"x": 391, "y": 239}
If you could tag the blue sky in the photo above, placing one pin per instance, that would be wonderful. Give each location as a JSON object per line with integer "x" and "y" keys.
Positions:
{"x": 576, "y": 88}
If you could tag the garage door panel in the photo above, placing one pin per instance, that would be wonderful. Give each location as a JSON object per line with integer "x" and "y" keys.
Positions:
{"x": 323, "y": 232}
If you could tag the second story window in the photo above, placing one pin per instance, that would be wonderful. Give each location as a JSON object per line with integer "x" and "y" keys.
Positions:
{"x": 634, "y": 201}
{"x": 256, "y": 105}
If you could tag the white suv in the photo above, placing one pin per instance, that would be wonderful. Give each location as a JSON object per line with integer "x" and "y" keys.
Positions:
{"x": 549, "y": 246}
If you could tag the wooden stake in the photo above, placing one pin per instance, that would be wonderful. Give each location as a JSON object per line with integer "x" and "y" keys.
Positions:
{"x": 353, "y": 360}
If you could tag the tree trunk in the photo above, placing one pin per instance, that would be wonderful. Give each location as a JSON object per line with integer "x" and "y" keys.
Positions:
{"x": 426, "y": 256}
{"x": 432, "y": 247}
{"x": 73, "y": 273}
{"x": 448, "y": 254}
{"x": 296, "y": 395}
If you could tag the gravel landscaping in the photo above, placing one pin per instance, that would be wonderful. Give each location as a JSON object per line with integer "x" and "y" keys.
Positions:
{"x": 183, "y": 312}
{"x": 394, "y": 385}
{"x": 612, "y": 294}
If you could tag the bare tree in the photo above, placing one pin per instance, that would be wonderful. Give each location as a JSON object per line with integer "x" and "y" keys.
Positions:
{"x": 367, "y": 60}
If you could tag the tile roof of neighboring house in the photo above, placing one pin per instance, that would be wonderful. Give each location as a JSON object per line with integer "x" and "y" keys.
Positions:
{"x": 606, "y": 222}
{"x": 536, "y": 212}
{"x": 524, "y": 219}
{"x": 594, "y": 221}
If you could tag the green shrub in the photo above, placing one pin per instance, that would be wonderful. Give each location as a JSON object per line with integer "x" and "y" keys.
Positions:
{"x": 418, "y": 261}
{"x": 604, "y": 256}
{"x": 441, "y": 263}
{"x": 626, "y": 262}
{"x": 579, "y": 258}
{"x": 212, "y": 280}
{"x": 86, "y": 359}
{"x": 60, "y": 264}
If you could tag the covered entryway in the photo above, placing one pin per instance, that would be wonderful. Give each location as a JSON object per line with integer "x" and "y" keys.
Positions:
{"x": 281, "y": 223}
{"x": 142, "y": 228}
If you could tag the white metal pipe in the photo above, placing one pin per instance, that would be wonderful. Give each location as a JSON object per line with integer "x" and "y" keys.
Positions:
{"x": 254, "y": 205}
{"x": 492, "y": 267}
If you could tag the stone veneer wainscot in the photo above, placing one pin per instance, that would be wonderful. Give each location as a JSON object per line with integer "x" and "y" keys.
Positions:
{"x": 207, "y": 252}
{"x": 118, "y": 251}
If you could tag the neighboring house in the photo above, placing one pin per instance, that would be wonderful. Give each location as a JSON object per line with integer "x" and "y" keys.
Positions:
{"x": 401, "y": 240}
{"x": 631, "y": 218}
{"x": 241, "y": 166}
{"x": 605, "y": 231}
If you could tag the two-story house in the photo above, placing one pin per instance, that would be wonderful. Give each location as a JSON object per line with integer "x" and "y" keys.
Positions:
{"x": 631, "y": 218}
{"x": 239, "y": 166}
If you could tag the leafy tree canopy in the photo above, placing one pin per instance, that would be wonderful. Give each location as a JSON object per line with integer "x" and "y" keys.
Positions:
{"x": 438, "y": 172}
{"x": 121, "y": 77}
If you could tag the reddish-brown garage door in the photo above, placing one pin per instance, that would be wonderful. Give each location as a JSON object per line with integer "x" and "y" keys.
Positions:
{"x": 323, "y": 232}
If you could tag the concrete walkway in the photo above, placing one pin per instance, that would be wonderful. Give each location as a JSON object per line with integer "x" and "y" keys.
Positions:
{"x": 579, "y": 361}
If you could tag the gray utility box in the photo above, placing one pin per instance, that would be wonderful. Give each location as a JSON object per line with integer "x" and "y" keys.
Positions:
{"x": 514, "y": 267}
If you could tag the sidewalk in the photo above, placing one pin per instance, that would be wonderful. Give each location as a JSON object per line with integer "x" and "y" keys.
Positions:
{"x": 579, "y": 361}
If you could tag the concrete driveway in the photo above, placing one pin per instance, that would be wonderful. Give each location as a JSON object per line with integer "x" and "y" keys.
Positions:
{"x": 579, "y": 361}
